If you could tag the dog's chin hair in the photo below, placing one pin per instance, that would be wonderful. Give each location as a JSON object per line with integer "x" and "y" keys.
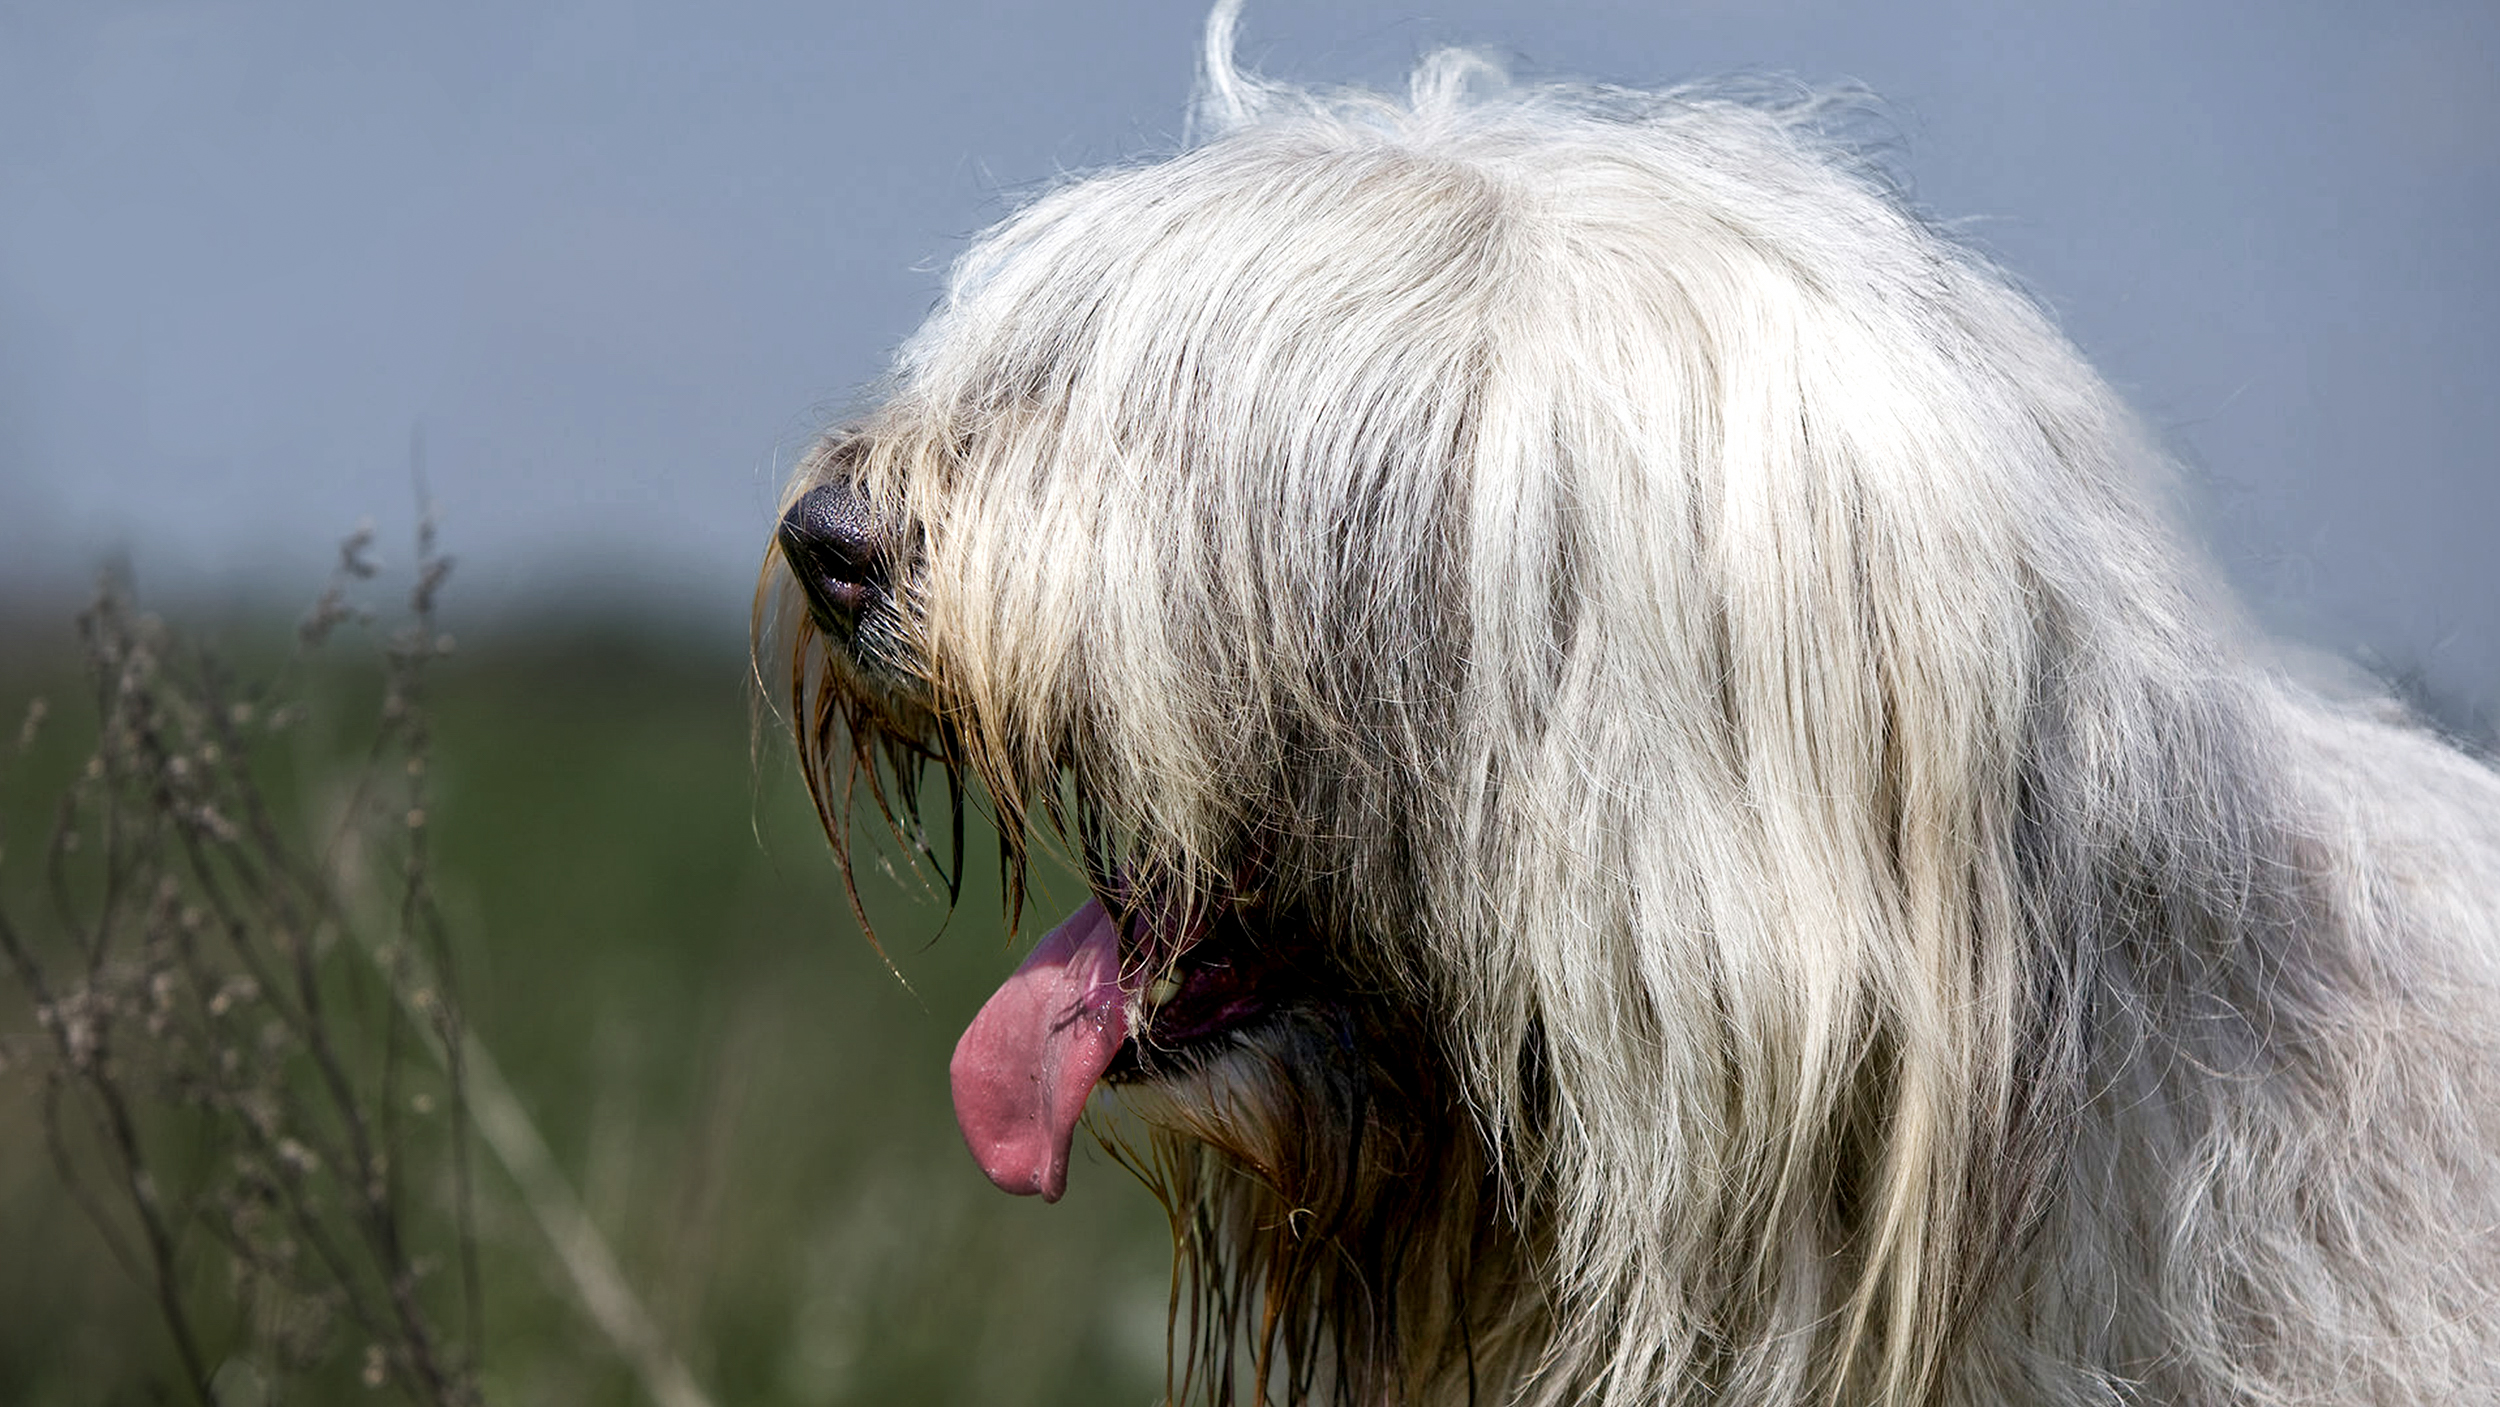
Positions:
{"x": 1337, "y": 1233}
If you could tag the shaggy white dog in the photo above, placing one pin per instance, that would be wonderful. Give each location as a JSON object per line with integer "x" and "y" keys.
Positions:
{"x": 1671, "y": 824}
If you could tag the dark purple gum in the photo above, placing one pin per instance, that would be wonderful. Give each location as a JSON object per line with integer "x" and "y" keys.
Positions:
{"x": 1230, "y": 975}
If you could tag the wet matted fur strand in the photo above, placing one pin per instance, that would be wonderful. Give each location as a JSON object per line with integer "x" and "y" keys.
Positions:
{"x": 1670, "y": 822}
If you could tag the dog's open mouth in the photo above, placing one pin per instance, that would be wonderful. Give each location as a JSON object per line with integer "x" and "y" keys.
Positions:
{"x": 1094, "y": 1002}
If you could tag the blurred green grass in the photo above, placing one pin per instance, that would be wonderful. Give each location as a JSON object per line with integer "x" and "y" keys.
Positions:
{"x": 654, "y": 944}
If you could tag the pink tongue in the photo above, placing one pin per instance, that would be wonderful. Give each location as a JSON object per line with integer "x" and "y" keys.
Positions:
{"x": 1024, "y": 1066}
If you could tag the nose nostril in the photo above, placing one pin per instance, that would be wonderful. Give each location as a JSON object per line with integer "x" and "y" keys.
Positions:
{"x": 833, "y": 543}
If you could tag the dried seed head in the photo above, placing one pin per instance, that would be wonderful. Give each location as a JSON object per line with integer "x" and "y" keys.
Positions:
{"x": 297, "y": 1158}
{"x": 36, "y": 711}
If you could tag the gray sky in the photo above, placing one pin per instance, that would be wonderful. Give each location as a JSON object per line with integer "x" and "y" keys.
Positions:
{"x": 618, "y": 260}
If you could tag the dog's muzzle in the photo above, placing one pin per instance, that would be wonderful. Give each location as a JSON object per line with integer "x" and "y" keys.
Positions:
{"x": 836, "y": 548}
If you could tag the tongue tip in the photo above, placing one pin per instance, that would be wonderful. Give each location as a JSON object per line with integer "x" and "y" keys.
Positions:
{"x": 1022, "y": 1178}
{"x": 1021, "y": 1150}
{"x": 1049, "y": 1183}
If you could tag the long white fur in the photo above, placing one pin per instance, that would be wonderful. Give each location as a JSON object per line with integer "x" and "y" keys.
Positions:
{"x": 1833, "y": 764}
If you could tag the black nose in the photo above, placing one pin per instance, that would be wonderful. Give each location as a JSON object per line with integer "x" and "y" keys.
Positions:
{"x": 835, "y": 547}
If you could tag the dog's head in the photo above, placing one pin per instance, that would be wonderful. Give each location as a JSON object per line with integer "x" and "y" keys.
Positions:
{"x": 1161, "y": 539}
{"x": 1525, "y": 604}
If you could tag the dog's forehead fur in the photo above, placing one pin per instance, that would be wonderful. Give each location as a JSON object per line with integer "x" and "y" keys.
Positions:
{"x": 1292, "y": 424}
{"x": 1871, "y": 924}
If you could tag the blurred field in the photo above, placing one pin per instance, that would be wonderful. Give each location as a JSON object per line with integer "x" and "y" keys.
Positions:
{"x": 654, "y": 945}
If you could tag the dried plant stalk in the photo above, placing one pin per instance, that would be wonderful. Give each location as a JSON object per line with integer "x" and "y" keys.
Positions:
{"x": 230, "y": 999}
